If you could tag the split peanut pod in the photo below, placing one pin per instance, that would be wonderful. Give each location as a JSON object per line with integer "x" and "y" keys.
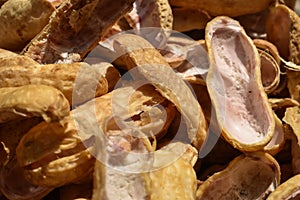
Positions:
{"x": 283, "y": 28}
{"x": 64, "y": 149}
{"x": 251, "y": 176}
{"x": 60, "y": 76}
{"x": 270, "y": 64}
{"x": 74, "y": 29}
{"x": 231, "y": 8}
{"x": 138, "y": 54}
{"x": 234, "y": 84}
{"x": 32, "y": 101}
{"x": 142, "y": 109}
{"x": 22, "y": 20}
{"x": 52, "y": 154}
{"x": 174, "y": 181}
{"x": 288, "y": 190}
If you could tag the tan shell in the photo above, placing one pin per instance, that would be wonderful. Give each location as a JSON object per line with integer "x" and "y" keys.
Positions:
{"x": 287, "y": 190}
{"x": 32, "y": 100}
{"x": 230, "y": 8}
{"x": 293, "y": 84}
{"x": 250, "y": 176}
{"x": 65, "y": 36}
{"x": 149, "y": 63}
{"x": 235, "y": 88}
{"x": 49, "y": 151}
{"x": 8, "y": 58}
{"x": 22, "y": 20}
{"x": 174, "y": 181}
{"x": 185, "y": 151}
{"x": 76, "y": 81}
{"x": 292, "y": 118}
{"x": 52, "y": 150}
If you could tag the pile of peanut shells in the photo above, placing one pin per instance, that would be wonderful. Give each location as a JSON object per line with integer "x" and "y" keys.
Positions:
{"x": 149, "y": 99}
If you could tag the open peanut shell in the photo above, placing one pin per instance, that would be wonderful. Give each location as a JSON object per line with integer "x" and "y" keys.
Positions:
{"x": 234, "y": 84}
{"x": 251, "y": 176}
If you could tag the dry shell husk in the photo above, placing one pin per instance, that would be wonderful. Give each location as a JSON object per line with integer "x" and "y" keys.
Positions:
{"x": 79, "y": 82}
{"x": 234, "y": 84}
{"x": 74, "y": 29}
{"x": 288, "y": 190}
{"x": 22, "y": 20}
{"x": 139, "y": 54}
{"x": 32, "y": 101}
{"x": 251, "y": 176}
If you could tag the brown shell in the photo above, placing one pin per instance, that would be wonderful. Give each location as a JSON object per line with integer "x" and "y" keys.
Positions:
{"x": 230, "y": 8}
{"x": 31, "y": 101}
{"x": 234, "y": 84}
{"x": 196, "y": 19}
{"x": 139, "y": 53}
{"x": 14, "y": 185}
{"x": 250, "y": 176}
{"x": 74, "y": 29}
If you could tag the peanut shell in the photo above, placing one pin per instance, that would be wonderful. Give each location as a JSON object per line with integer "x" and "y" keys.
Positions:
{"x": 61, "y": 76}
{"x": 234, "y": 84}
{"x": 31, "y": 101}
{"x": 288, "y": 190}
{"x": 74, "y": 29}
{"x": 139, "y": 53}
{"x": 251, "y": 176}
{"x": 22, "y": 20}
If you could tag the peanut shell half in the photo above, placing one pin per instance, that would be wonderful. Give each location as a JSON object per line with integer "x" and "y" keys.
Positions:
{"x": 234, "y": 84}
